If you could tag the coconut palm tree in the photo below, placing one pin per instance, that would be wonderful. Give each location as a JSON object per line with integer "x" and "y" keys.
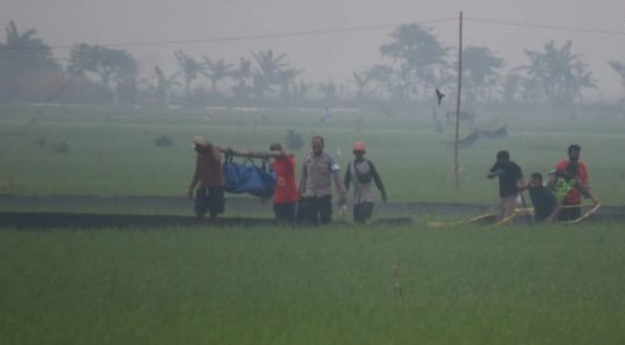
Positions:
{"x": 216, "y": 71}
{"x": 190, "y": 67}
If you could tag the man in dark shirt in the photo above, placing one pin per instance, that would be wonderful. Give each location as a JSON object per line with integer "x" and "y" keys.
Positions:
{"x": 510, "y": 182}
{"x": 546, "y": 205}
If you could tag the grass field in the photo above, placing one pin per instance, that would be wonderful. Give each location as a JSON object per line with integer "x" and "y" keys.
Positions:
{"x": 112, "y": 150}
{"x": 468, "y": 285}
{"x": 327, "y": 286}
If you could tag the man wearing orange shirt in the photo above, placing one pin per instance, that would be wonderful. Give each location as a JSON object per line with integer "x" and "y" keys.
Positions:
{"x": 286, "y": 193}
{"x": 574, "y": 196}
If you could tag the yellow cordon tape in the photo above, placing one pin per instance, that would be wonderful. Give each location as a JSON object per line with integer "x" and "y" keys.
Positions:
{"x": 517, "y": 212}
{"x": 461, "y": 222}
{"x": 584, "y": 216}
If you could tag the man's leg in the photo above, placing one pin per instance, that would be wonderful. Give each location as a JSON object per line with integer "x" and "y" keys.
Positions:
{"x": 284, "y": 212}
{"x": 201, "y": 203}
{"x": 216, "y": 202}
{"x": 569, "y": 213}
{"x": 356, "y": 212}
{"x": 290, "y": 210}
{"x": 366, "y": 210}
{"x": 312, "y": 209}
{"x": 509, "y": 203}
{"x": 324, "y": 205}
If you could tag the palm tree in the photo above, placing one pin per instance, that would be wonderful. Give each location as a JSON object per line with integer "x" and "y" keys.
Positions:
{"x": 23, "y": 52}
{"x": 267, "y": 71}
{"x": 286, "y": 78}
{"x": 23, "y": 57}
{"x": 216, "y": 71}
{"x": 619, "y": 67}
{"x": 164, "y": 85}
{"x": 560, "y": 74}
{"x": 190, "y": 67}
{"x": 243, "y": 75}
{"x": 361, "y": 81}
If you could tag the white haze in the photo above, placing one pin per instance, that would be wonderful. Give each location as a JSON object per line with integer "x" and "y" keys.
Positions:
{"x": 324, "y": 57}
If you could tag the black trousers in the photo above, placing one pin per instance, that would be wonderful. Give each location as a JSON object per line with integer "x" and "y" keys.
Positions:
{"x": 211, "y": 200}
{"x": 569, "y": 214}
{"x": 318, "y": 210}
{"x": 285, "y": 211}
{"x": 362, "y": 212}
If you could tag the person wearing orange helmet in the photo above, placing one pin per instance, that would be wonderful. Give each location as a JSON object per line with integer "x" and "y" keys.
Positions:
{"x": 363, "y": 173}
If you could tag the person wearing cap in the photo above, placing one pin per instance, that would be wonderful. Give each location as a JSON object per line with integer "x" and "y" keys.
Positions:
{"x": 286, "y": 194}
{"x": 574, "y": 197}
{"x": 209, "y": 180}
{"x": 364, "y": 173}
{"x": 318, "y": 171}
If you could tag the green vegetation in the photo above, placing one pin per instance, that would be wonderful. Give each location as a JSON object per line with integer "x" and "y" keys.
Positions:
{"x": 112, "y": 151}
{"x": 541, "y": 285}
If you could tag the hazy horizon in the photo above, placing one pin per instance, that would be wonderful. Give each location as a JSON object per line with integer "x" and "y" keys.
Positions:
{"x": 328, "y": 56}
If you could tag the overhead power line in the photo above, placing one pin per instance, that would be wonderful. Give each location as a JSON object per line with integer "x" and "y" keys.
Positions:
{"x": 244, "y": 38}
{"x": 256, "y": 37}
{"x": 545, "y": 26}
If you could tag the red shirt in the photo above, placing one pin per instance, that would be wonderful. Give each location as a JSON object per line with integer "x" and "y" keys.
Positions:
{"x": 209, "y": 170}
{"x": 574, "y": 196}
{"x": 286, "y": 187}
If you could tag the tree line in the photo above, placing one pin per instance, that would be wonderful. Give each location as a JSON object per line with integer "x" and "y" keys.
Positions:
{"x": 415, "y": 62}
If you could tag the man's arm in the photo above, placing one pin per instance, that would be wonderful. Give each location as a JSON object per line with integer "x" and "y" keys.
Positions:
{"x": 585, "y": 192}
{"x": 303, "y": 180}
{"x": 556, "y": 212}
{"x": 583, "y": 175}
{"x": 338, "y": 182}
{"x": 493, "y": 172}
{"x": 254, "y": 154}
{"x": 378, "y": 180}
{"x": 340, "y": 188}
{"x": 194, "y": 180}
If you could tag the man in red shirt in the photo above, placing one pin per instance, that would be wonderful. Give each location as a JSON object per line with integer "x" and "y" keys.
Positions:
{"x": 286, "y": 193}
{"x": 209, "y": 196}
{"x": 574, "y": 196}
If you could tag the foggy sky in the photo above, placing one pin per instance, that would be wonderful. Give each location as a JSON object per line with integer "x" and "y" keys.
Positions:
{"x": 324, "y": 57}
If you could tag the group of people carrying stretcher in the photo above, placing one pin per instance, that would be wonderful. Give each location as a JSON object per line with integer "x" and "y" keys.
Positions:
{"x": 558, "y": 198}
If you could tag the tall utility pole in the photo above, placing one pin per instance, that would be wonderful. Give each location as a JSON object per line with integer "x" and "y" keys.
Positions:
{"x": 456, "y": 167}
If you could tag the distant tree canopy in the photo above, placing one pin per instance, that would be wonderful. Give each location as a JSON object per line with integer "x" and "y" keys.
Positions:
{"x": 413, "y": 63}
{"x": 480, "y": 72}
{"x": 419, "y": 61}
{"x": 109, "y": 64}
{"x": 619, "y": 67}
{"x": 23, "y": 57}
{"x": 556, "y": 75}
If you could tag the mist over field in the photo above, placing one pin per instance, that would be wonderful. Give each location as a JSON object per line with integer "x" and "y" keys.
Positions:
{"x": 108, "y": 108}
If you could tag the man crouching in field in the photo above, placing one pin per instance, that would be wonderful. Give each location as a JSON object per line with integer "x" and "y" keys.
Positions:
{"x": 209, "y": 196}
{"x": 546, "y": 205}
{"x": 510, "y": 182}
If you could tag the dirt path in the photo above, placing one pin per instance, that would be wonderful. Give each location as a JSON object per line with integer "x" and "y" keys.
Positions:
{"x": 389, "y": 214}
